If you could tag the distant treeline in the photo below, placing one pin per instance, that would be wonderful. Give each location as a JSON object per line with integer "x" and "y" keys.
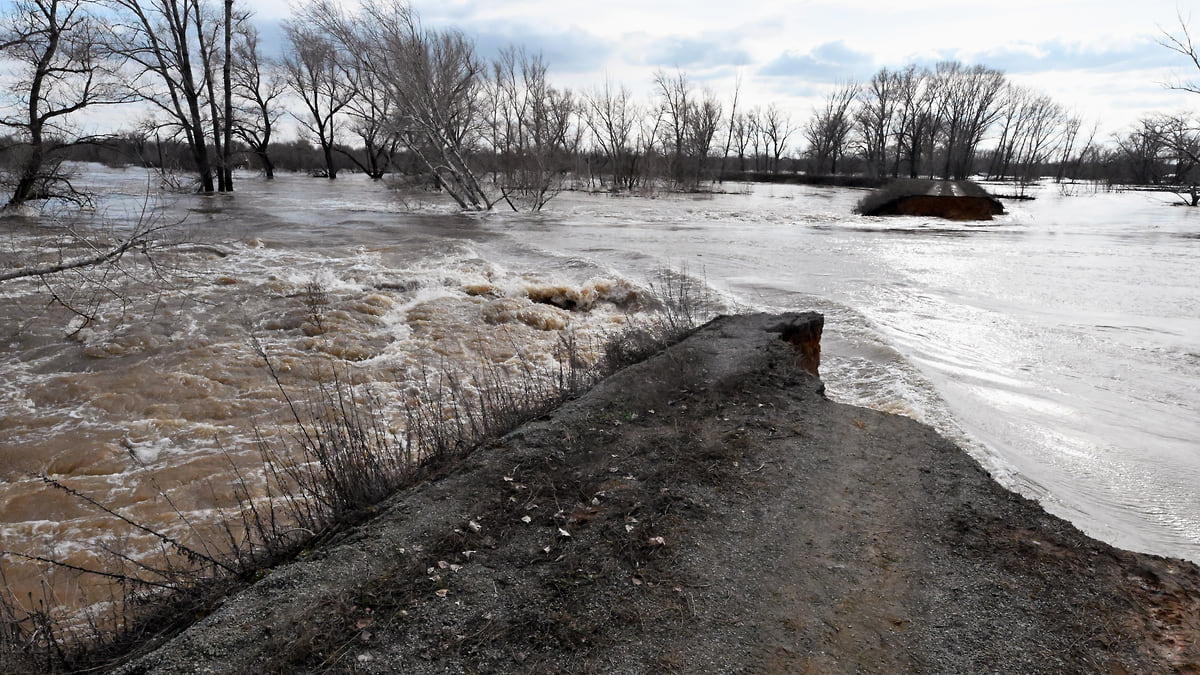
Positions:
{"x": 594, "y": 171}
{"x": 374, "y": 90}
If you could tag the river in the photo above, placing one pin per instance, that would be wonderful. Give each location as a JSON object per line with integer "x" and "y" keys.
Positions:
{"x": 1059, "y": 343}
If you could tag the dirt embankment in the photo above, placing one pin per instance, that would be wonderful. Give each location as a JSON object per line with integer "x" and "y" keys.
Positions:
{"x": 709, "y": 510}
{"x": 953, "y": 200}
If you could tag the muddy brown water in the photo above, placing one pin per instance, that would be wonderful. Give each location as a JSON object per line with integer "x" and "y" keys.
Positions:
{"x": 1060, "y": 343}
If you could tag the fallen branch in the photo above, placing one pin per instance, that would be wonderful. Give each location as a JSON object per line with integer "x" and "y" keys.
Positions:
{"x": 110, "y": 255}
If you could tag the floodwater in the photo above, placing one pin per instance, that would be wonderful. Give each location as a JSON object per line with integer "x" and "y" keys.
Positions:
{"x": 1059, "y": 343}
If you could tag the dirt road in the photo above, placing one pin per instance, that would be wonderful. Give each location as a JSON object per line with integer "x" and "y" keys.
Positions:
{"x": 709, "y": 510}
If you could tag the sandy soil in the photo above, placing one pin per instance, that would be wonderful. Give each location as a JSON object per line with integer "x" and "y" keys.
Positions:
{"x": 708, "y": 510}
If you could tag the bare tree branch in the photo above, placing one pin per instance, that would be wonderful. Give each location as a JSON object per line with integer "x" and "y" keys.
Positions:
{"x": 1182, "y": 44}
{"x": 107, "y": 256}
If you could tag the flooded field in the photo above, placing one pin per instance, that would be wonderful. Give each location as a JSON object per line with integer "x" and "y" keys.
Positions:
{"x": 1059, "y": 343}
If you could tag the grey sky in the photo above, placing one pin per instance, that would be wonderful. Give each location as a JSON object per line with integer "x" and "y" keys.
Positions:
{"x": 1099, "y": 57}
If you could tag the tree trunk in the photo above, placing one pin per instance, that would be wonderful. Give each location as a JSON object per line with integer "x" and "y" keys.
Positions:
{"x": 268, "y": 165}
{"x": 227, "y": 77}
{"x": 30, "y": 174}
{"x": 194, "y": 127}
{"x": 327, "y": 149}
{"x": 31, "y": 168}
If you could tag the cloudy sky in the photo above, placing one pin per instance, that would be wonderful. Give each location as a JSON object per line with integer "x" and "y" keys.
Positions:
{"x": 1099, "y": 57}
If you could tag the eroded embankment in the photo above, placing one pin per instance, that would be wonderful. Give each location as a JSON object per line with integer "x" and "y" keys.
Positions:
{"x": 708, "y": 510}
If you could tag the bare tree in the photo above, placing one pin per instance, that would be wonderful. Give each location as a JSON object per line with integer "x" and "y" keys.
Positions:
{"x": 703, "y": 123}
{"x": 1181, "y": 43}
{"x": 434, "y": 79}
{"x": 775, "y": 128}
{"x": 675, "y": 108}
{"x": 258, "y": 83}
{"x": 223, "y": 120}
{"x": 319, "y": 76}
{"x": 1032, "y": 128}
{"x": 212, "y": 29}
{"x": 1179, "y": 133}
{"x": 916, "y": 119}
{"x": 371, "y": 115}
{"x": 1011, "y": 119}
{"x": 654, "y": 163}
{"x": 876, "y": 118}
{"x": 1043, "y": 136}
{"x": 756, "y": 136}
{"x": 172, "y": 42}
{"x": 1073, "y": 154}
{"x": 1180, "y": 137}
{"x": 64, "y": 67}
{"x": 531, "y": 128}
{"x": 1142, "y": 149}
{"x": 437, "y": 79}
{"x": 612, "y": 116}
{"x": 729, "y": 129}
{"x": 743, "y": 133}
{"x": 970, "y": 103}
{"x": 828, "y": 131}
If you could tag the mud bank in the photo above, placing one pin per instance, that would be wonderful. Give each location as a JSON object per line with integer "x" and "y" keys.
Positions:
{"x": 708, "y": 510}
{"x": 952, "y": 200}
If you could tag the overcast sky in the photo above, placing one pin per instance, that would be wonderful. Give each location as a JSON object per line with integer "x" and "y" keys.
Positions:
{"x": 1097, "y": 56}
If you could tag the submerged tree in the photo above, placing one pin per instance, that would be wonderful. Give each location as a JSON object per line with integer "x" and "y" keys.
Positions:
{"x": 340, "y": 88}
{"x": 828, "y": 131}
{"x": 775, "y": 130}
{"x": 1181, "y": 133}
{"x": 675, "y": 107}
{"x": 876, "y": 118}
{"x": 371, "y": 119}
{"x": 1180, "y": 136}
{"x": 703, "y": 124}
{"x": 533, "y": 130}
{"x": 316, "y": 72}
{"x": 969, "y": 101}
{"x": 688, "y": 121}
{"x": 173, "y": 44}
{"x": 258, "y": 84}
{"x": 612, "y": 116}
{"x": 1140, "y": 153}
{"x": 64, "y": 66}
{"x": 433, "y": 78}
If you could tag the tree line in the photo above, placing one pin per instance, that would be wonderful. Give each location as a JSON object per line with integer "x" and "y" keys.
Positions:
{"x": 375, "y": 90}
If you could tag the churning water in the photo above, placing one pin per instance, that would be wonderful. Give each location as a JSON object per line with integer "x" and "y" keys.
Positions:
{"x": 1060, "y": 343}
